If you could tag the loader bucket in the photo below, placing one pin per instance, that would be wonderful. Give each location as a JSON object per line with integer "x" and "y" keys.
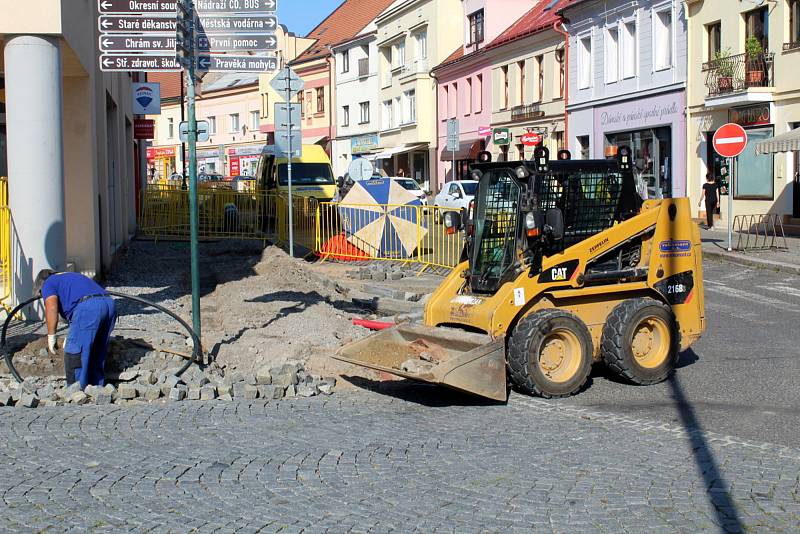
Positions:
{"x": 473, "y": 363}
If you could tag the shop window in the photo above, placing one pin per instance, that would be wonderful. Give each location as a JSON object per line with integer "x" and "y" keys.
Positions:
{"x": 756, "y": 24}
{"x": 754, "y": 172}
{"x": 583, "y": 147}
{"x": 714, "y": 36}
{"x": 662, "y": 39}
{"x": 652, "y": 157}
{"x": 585, "y": 63}
{"x": 612, "y": 55}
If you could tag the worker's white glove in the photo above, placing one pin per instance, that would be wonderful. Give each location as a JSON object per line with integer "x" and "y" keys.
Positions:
{"x": 52, "y": 343}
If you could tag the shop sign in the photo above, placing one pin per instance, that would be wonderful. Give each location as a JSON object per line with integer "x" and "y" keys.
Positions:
{"x": 161, "y": 152}
{"x": 531, "y": 139}
{"x": 645, "y": 113}
{"x": 210, "y": 152}
{"x": 234, "y": 167}
{"x": 501, "y": 136}
{"x": 146, "y": 98}
{"x": 757, "y": 115}
{"x": 144, "y": 129}
{"x": 484, "y": 131}
{"x": 245, "y": 150}
{"x": 365, "y": 143}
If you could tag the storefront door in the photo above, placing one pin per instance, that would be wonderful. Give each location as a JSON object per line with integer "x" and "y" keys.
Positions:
{"x": 796, "y": 186}
{"x": 651, "y": 155}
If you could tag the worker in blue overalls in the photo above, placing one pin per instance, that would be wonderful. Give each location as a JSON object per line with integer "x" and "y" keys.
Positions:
{"x": 91, "y": 315}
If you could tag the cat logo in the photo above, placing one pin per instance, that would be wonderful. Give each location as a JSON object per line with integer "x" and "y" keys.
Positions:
{"x": 562, "y": 272}
{"x": 559, "y": 274}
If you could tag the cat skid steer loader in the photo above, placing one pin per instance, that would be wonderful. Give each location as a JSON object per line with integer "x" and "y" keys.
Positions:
{"x": 564, "y": 266}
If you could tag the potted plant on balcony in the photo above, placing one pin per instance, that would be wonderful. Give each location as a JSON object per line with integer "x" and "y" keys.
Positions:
{"x": 723, "y": 65}
{"x": 754, "y": 59}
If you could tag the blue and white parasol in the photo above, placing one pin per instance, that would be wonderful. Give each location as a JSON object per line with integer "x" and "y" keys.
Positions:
{"x": 382, "y": 218}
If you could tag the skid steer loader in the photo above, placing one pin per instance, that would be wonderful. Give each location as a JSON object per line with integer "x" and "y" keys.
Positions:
{"x": 564, "y": 266}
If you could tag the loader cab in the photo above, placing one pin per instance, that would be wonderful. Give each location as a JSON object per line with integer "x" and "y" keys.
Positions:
{"x": 527, "y": 210}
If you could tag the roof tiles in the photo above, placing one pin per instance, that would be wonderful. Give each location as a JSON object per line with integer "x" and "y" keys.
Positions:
{"x": 542, "y": 16}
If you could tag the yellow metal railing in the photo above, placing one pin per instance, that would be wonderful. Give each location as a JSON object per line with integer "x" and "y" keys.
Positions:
{"x": 386, "y": 232}
{"x": 5, "y": 243}
{"x": 381, "y": 232}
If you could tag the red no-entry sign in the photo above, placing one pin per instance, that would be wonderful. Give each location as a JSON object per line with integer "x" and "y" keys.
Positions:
{"x": 730, "y": 140}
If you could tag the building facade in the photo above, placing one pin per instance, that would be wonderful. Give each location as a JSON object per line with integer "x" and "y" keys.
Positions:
{"x": 743, "y": 68}
{"x": 464, "y": 88}
{"x": 71, "y": 157}
{"x": 413, "y": 36}
{"x": 529, "y": 83}
{"x": 627, "y": 86}
{"x": 356, "y": 92}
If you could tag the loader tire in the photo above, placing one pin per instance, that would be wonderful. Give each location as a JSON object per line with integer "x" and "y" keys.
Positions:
{"x": 640, "y": 341}
{"x": 550, "y": 354}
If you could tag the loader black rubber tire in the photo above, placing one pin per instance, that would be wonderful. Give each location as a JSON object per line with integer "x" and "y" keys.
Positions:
{"x": 527, "y": 343}
{"x": 651, "y": 364}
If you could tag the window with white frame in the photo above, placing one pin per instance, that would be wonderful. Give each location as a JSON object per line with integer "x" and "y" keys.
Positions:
{"x": 364, "y": 112}
{"x": 421, "y": 39}
{"x": 399, "y": 54}
{"x": 629, "y": 50}
{"x": 662, "y": 39}
{"x": 255, "y": 120}
{"x": 345, "y": 115}
{"x": 234, "y": 122}
{"x": 585, "y": 62}
{"x": 397, "y": 114}
{"x": 388, "y": 115}
{"x": 170, "y": 128}
{"x": 410, "y": 111}
{"x": 611, "y": 59}
{"x": 454, "y": 109}
{"x": 212, "y": 125}
{"x": 468, "y": 97}
{"x": 479, "y": 93}
{"x": 346, "y": 61}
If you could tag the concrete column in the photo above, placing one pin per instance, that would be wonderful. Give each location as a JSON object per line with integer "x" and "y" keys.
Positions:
{"x": 35, "y": 157}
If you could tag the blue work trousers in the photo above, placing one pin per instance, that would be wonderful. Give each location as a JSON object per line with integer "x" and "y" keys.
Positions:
{"x": 89, "y": 330}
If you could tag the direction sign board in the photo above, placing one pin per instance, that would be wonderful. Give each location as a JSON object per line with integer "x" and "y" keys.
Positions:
{"x": 287, "y": 83}
{"x": 226, "y": 63}
{"x": 202, "y": 131}
{"x": 138, "y": 62}
{"x": 452, "y": 134}
{"x": 225, "y": 24}
{"x": 159, "y": 7}
{"x": 137, "y": 43}
{"x": 235, "y": 6}
{"x": 730, "y": 140}
{"x": 117, "y": 24}
{"x": 531, "y": 139}
{"x": 286, "y": 114}
{"x": 236, "y": 42}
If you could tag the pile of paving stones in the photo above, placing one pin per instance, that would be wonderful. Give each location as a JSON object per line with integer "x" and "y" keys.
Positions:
{"x": 378, "y": 271}
{"x": 146, "y": 385}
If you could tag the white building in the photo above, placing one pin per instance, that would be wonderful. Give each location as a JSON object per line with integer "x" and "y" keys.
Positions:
{"x": 357, "y": 90}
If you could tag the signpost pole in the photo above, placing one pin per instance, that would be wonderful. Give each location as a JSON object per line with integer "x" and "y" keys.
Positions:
{"x": 193, "y": 212}
{"x": 731, "y": 163}
{"x": 289, "y": 128}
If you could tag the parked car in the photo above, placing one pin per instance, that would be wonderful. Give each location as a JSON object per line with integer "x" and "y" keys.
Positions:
{"x": 411, "y": 185}
{"x": 456, "y": 195}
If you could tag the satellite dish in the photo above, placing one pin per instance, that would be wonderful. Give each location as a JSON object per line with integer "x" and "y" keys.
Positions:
{"x": 361, "y": 169}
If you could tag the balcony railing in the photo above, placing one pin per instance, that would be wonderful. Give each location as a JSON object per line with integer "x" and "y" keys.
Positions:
{"x": 363, "y": 67}
{"x": 734, "y": 74}
{"x": 526, "y": 112}
{"x": 791, "y": 46}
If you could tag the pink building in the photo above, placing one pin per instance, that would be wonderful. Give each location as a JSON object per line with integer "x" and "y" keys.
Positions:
{"x": 464, "y": 84}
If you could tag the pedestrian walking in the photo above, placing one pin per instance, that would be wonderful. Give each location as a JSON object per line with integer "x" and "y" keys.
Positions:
{"x": 91, "y": 315}
{"x": 401, "y": 173}
{"x": 710, "y": 195}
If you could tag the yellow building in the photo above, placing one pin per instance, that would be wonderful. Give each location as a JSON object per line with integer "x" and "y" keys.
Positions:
{"x": 743, "y": 68}
{"x": 413, "y": 37}
{"x": 71, "y": 155}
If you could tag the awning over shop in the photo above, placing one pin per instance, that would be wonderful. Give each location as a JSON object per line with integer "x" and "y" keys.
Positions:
{"x": 314, "y": 140}
{"x": 389, "y": 152}
{"x": 788, "y": 142}
{"x": 466, "y": 150}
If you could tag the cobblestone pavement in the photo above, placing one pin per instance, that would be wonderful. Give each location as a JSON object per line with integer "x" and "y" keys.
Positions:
{"x": 367, "y": 462}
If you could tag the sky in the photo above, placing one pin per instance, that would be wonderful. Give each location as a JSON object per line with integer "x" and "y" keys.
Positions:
{"x": 302, "y": 16}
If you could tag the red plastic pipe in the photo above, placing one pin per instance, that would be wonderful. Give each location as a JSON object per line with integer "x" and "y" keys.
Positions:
{"x": 372, "y": 325}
